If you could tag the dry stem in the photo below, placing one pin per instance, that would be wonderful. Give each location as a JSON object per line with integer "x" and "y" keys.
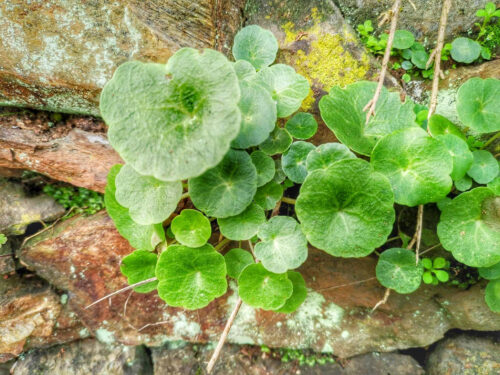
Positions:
{"x": 382, "y": 301}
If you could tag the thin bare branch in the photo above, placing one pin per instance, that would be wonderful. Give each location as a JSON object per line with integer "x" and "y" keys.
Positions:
{"x": 288, "y": 200}
{"x": 420, "y": 224}
{"x": 223, "y": 337}
{"x": 429, "y": 249}
{"x": 372, "y": 104}
{"x": 382, "y": 301}
{"x": 348, "y": 284}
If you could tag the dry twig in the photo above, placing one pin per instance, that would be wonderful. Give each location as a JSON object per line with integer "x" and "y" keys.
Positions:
{"x": 382, "y": 301}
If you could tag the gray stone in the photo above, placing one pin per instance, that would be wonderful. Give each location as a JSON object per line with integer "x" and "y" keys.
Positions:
{"x": 423, "y": 22}
{"x": 85, "y": 357}
{"x": 17, "y": 210}
{"x": 7, "y": 263}
{"x": 466, "y": 354}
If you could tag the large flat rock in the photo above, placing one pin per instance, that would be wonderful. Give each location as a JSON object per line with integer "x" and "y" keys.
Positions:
{"x": 82, "y": 256}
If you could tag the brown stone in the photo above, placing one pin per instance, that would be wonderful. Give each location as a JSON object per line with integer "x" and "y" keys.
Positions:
{"x": 82, "y": 255}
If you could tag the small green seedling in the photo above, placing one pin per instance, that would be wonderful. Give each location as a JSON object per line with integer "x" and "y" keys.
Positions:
{"x": 435, "y": 270}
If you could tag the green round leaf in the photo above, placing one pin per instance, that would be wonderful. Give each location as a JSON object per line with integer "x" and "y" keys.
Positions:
{"x": 460, "y": 153}
{"x": 443, "y": 203}
{"x": 442, "y": 276}
{"x": 159, "y": 115}
{"x": 397, "y": 269}
{"x": 265, "y": 167}
{"x": 427, "y": 263}
{"x": 287, "y": 88}
{"x": 191, "y": 228}
{"x": 258, "y": 115}
{"x": 283, "y": 245}
{"x": 440, "y": 125}
{"x": 403, "y": 39}
{"x": 484, "y": 167}
{"x": 227, "y": 189}
{"x": 191, "y": 278}
{"x": 302, "y": 125}
{"x": 140, "y": 266}
{"x": 294, "y": 161}
{"x": 465, "y": 50}
{"x": 149, "y": 200}
{"x": 465, "y": 183}
{"x": 256, "y": 45}
{"x": 243, "y": 69}
{"x": 299, "y": 293}
{"x": 139, "y": 236}
{"x": 470, "y": 228}
{"x": 342, "y": 111}
{"x": 477, "y": 104}
{"x": 278, "y": 142}
{"x": 427, "y": 277}
{"x": 243, "y": 226}
{"x": 267, "y": 196}
{"x": 347, "y": 209}
{"x": 495, "y": 185}
{"x": 492, "y": 295}
{"x": 439, "y": 262}
{"x": 490, "y": 273}
{"x": 236, "y": 261}
{"x": 419, "y": 59}
{"x": 417, "y": 166}
{"x": 326, "y": 154}
{"x": 261, "y": 288}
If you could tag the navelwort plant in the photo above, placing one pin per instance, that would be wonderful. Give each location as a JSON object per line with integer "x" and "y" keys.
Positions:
{"x": 209, "y": 132}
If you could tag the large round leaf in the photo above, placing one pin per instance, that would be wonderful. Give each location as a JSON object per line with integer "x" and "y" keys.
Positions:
{"x": 326, "y": 154}
{"x": 140, "y": 266}
{"x": 470, "y": 227}
{"x": 417, "y": 166}
{"x": 175, "y": 121}
{"x": 283, "y": 246}
{"x": 477, "y": 104}
{"x": 236, "y": 261}
{"x": 495, "y": 185}
{"x": 258, "y": 115}
{"x": 490, "y": 273}
{"x": 243, "y": 226}
{"x": 261, "y": 288}
{"x": 294, "y": 161}
{"x": 278, "y": 142}
{"x": 302, "y": 125}
{"x": 191, "y": 228}
{"x": 256, "y": 45}
{"x": 298, "y": 296}
{"x": 191, "y": 278}
{"x": 144, "y": 237}
{"x": 148, "y": 199}
{"x": 347, "y": 209}
{"x": 465, "y": 50}
{"x": 342, "y": 111}
{"x": 440, "y": 125}
{"x": 244, "y": 69}
{"x": 265, "y": 167}
{"x": 484, "y": 167}
{"x": 227, "y": 189}
{"x": 403, "y": 39}
{"x": 492, "y": 295}
{"x": 460, "y": 153}
{"x": 397, "y": 269}
{"x": 286, "y": 87}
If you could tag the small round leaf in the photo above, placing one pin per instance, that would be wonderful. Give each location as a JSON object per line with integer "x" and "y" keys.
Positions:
{"x": 140, "y": 266}
{"x": 465, "y": 50}
{"x": 236, "y": 261}
{"x": 243, "y": 70}
{"x": 268, "y": 195}
{"x": 227, "y": 189}
{"x": 302, "y": 125}
{"x": 490, "y": 273}
{"x": 299, "y": 293}
{"x": 278, "y": 142}
{"x": 149, "y": 200}
{"x": 442, "y": 276}
{"x": 417, "y": 166}
{"x": 465, "y": 183}
{"x": 261, "y": 288}
{"x": 397, "y": 269}
{"x": 283, "y": 246}
{"x": 256, "y": 45}
{"x": 419, "y": 59}
{"x": 403, "y": 39}
{"x": 294, "y": 161}
{"x": 460, "y": 153}
{"x": 492, "y": 295}
{"x": 265, "y": 167}
{"x": 326, "y": 154}
{"x": 484, "y": 167}
{"x": 191, "y": 228}
{"x": 243, "y": 226}
{"x": 191, "y": 278}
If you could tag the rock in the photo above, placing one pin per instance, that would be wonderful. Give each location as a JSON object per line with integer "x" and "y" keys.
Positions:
{"x": 7, "y": 264}
{"x": 57, "y": 55}
{"x": 17, "y": 210}
{"x": 85, "y": 357}
{"x": 423, "y": 22}
{"x": 182, "y": 359}
{"x": 75, "y": 151}
{"x": 466, "y": 354}
{"x": 82, "y": 256}
{"x": 32, "y": 315}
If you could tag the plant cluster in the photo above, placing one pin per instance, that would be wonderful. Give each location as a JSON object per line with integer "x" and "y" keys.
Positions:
{"x": 412, "y": 56}
{"x": 78, "y": 200}
{"x": 210, "y": 126}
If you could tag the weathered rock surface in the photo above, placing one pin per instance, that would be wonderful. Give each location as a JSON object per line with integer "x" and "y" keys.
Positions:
{"x": 423, "y": 22}
{"x": 85, "y": 357}
{"x": 17, "y": 210}
{"x": 7, "y": 263}
{"x": 466, "y": 354}
{"x": 189, "y": 360}
{"x": 75, "y": 151}
{"x": 32, "y": 315}
{"x": 82, "y": 256}
{"x": 57, "y": 55}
